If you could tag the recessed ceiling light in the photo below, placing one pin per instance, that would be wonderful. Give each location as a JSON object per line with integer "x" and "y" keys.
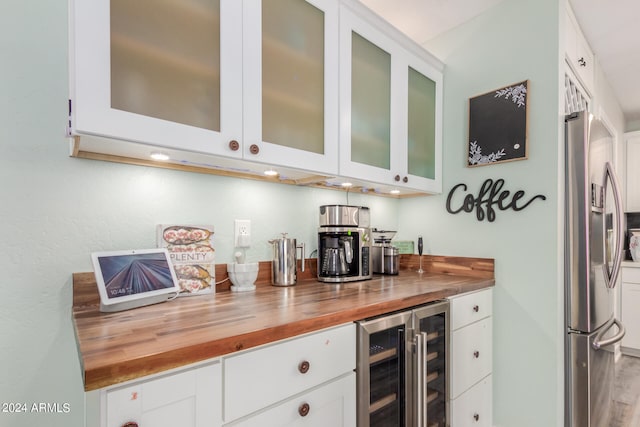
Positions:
{"x": 156, "y": 155}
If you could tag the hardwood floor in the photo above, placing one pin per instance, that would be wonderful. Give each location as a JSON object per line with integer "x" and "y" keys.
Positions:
{"x": 626, "y": 407}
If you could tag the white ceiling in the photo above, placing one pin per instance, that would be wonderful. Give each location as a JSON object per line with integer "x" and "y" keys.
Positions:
{"x": 611, "y": 27}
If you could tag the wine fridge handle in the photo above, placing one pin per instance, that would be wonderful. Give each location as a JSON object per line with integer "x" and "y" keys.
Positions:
{"x": 421, "y": 376}
{"x": 425, "y": 415}
{"x": 420, "y": 379}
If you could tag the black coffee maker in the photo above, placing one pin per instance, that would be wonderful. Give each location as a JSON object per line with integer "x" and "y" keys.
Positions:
{"x": 344, "y": 244}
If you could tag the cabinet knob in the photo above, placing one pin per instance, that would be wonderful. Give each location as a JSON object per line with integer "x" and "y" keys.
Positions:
{"x": 234, "y": 145}
{"x": 476, "y": 308}
{"x": 303, "y": 409}
{"x": 582, "y": 62}
{"x": 254, "y": 149}
{"x": 405, "y": 179}
{"x": 476, "y": 417}
{"x": 130, "y": 424}
{"x": 304, "y": 366}
{"x": 476, "y": 354}
{"x": 396, "y": 178}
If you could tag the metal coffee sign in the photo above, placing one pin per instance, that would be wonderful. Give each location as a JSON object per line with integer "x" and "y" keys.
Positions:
{"x": 490, "y": 198}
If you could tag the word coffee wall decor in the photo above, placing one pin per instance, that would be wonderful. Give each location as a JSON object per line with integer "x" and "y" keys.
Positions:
{"x": 490, "y": 197}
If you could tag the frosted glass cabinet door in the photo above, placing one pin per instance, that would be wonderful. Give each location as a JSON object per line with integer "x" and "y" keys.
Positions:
{"x": 423, "y": 155}
{"x": 391, "y": 104}
{"x": 162, "y": 72}
{"x": 369, "y": 109}
{"x": 290, "y": 83}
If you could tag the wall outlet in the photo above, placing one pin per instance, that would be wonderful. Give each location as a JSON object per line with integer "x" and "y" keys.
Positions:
{"x": 242, "y": 233}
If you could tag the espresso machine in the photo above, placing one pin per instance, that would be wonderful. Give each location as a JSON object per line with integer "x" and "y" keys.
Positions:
{"x": 344, "y": 244}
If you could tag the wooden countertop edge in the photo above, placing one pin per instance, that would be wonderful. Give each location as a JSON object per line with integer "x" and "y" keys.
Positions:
{"x": 100, "y": 377}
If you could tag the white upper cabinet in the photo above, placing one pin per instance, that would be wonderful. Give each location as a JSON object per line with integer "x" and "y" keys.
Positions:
{"x": 165, "y": 73}
{"x": 223, "y": 77}
{"x": 578, "y": 53}
{"x": 324, "y": 89}
{"x": 290, "y": 83}
{"x": 391, "y": 106}
{"x": 632, "y": 181}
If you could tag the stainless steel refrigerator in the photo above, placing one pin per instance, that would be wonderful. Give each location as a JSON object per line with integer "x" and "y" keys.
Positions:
{"x": 594, "y": 236}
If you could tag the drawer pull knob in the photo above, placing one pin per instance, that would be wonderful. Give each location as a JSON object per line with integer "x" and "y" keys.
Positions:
{"x": 476, "y": 417}
{"x": 130, "y": 424}
{"x": 303, "y": 367}
{"x": 234, "y": 145}
{"x": 303, "y": 410}
{"x": 476, "y": 308}
{"x": 405, "y": 179}
{"x": 396, "y": 178}
{"x": 254, "y": 149}
{"x": 476, "y": 354}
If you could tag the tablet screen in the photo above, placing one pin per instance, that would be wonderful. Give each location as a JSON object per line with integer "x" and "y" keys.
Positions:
{"x": 125, "y": 275}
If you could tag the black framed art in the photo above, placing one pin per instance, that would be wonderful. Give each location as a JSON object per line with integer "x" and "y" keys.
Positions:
{"x": 498, "y": 125}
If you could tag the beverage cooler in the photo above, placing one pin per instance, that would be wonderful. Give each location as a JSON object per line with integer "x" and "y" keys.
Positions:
{"x": 402, "y": 368}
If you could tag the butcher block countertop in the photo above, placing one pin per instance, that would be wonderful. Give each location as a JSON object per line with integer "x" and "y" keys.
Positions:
{"x": 116, "y": 347}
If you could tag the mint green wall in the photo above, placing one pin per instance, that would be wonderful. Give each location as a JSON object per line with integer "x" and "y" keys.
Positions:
{"x": 56, "y": 210}
{"x": 494, "y": 50}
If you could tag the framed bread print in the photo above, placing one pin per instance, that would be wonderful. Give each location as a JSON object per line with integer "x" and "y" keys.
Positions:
{"x": 498, "y": 125}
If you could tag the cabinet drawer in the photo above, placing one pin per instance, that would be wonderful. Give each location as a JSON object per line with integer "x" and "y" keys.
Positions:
{"x": 471, "y": 355}
{"x": 190, "y": 398}
{"x": 631, "y": 274}
{"x": 333, "y": 404}
{"x": 258, "y": 378}
{"x": 474, "y": 407}
{"x": 471, "y": 307}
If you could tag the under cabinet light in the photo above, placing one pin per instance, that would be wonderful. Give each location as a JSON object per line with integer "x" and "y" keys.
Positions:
{"x": 394, "y": 191}
{"x": 271, "y": 172}
{"x": 156, "y": 155}
{"x": 346, "y": 184}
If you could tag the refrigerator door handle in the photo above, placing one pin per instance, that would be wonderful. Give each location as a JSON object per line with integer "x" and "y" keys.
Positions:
{"x": 611, "y": 276}
{"x": 598, "y": 342}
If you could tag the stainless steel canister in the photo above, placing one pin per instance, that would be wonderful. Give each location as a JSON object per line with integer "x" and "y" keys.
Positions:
{"x": 284, "y": 263}
{"x": 385, "y": 259}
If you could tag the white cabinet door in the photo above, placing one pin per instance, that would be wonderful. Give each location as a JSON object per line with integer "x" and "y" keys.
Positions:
{"x": 171, "y": 78}
{"x": 578, "y": 53}
{"x": 290, "y": 97}
{"x": 330, "y": 405}
{"x": 189, "y": 399}
{"x": 390, "y": 104}
{"x": 474, "y": 407}
{"x": 633, "y": 172}
{"x": 630, "y": 314}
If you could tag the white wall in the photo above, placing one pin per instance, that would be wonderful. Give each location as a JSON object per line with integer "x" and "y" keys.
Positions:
{"x": 494, "y": 50}
{"x": 56, "y": 210}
